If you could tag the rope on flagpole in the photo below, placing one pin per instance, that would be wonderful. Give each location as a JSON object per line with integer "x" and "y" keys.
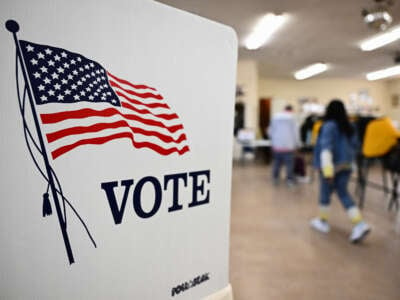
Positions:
{"x": 72, "y": 207}
{"x": 59, "y": 188}
{"x": 30, "y": 139}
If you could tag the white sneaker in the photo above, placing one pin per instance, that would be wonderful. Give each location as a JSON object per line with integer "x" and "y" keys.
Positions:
{"x": 320, "y": 225}
{"x": 359, "y": 232}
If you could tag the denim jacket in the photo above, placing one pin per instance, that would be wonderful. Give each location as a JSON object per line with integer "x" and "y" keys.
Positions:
{"x": 330, "y": 138}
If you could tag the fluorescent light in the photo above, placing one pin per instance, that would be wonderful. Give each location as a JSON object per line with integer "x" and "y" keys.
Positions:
{"x": 264, "y": 29}
{"x": 392, "y": 71}
{"x": 381, "y": 40}
{"x": 310, "y": 71}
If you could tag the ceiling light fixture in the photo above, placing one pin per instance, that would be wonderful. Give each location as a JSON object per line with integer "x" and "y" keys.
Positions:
{"x": 310, "y": 71}
{"x": 264, "y": 30}
{"x": 381, "y": 39}
{"x": 392, "y": 71}
{"x": 378, "y": 17}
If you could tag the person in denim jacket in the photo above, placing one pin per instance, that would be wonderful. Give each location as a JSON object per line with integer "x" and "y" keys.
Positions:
{"x": 333, "y": 156}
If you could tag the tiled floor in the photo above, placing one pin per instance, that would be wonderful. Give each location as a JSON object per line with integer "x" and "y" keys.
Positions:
{"x": 275, "y": 254}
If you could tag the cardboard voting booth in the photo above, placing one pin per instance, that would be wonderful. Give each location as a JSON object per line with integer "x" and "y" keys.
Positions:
{"x": 116, "y": 124}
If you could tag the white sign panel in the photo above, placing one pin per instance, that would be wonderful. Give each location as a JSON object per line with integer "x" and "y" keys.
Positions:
{"x": 116, "y": 130}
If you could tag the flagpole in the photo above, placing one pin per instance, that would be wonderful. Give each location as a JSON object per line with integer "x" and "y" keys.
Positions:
{"x": 13, "y": 27}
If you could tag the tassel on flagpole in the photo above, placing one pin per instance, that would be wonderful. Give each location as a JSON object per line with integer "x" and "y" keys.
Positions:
{"x": 46, "y": 205}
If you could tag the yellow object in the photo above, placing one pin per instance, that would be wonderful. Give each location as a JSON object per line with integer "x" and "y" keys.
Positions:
{"x": 328, "y": 171}
{"x": 315, "y": 132}
{"x": 354, "y": 214}
{"x": 379, "y": 137}
{"x": 323, "y": 212}
{"x": 356, "y": 219}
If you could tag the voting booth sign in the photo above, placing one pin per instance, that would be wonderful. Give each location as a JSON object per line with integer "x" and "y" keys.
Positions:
{"x": 116, "y": 127}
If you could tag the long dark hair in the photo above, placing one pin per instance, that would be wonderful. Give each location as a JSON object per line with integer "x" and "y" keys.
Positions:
{"x": 336, "y": 111}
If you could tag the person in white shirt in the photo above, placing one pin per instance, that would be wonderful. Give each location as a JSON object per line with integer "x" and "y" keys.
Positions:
{"x": 284, "y": 136}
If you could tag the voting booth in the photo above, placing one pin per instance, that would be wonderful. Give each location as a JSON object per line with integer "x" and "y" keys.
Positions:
{"x": 116, "y": 136}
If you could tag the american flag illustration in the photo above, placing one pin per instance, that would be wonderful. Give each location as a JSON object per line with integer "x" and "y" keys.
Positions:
{"x": 81, "y": 103}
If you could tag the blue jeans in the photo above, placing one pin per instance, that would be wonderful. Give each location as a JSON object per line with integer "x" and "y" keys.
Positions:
{"x": 279, "y": 159}
{"x": 339, "y": 184}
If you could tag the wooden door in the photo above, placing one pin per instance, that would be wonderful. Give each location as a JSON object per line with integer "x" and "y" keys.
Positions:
{"x": 264, "y": 117}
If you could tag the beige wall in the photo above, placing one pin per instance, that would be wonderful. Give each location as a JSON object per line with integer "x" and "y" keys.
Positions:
{"x": 284, "y": 91}
{"x": 324, "y": 90}
{"x": 394, "y": 90}
{"x": 247, "y": 77}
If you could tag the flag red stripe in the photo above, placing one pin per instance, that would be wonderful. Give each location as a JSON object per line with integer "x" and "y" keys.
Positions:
{"x": 141, "y": 95}
{"x": 88, "y": 112}
{"x": 135, "y": 86}
{"x": 53, "y": 136}
{"x": 146, "y": 111}
{"x": 149, "y": 105}
{"x": 102, "y": 140}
